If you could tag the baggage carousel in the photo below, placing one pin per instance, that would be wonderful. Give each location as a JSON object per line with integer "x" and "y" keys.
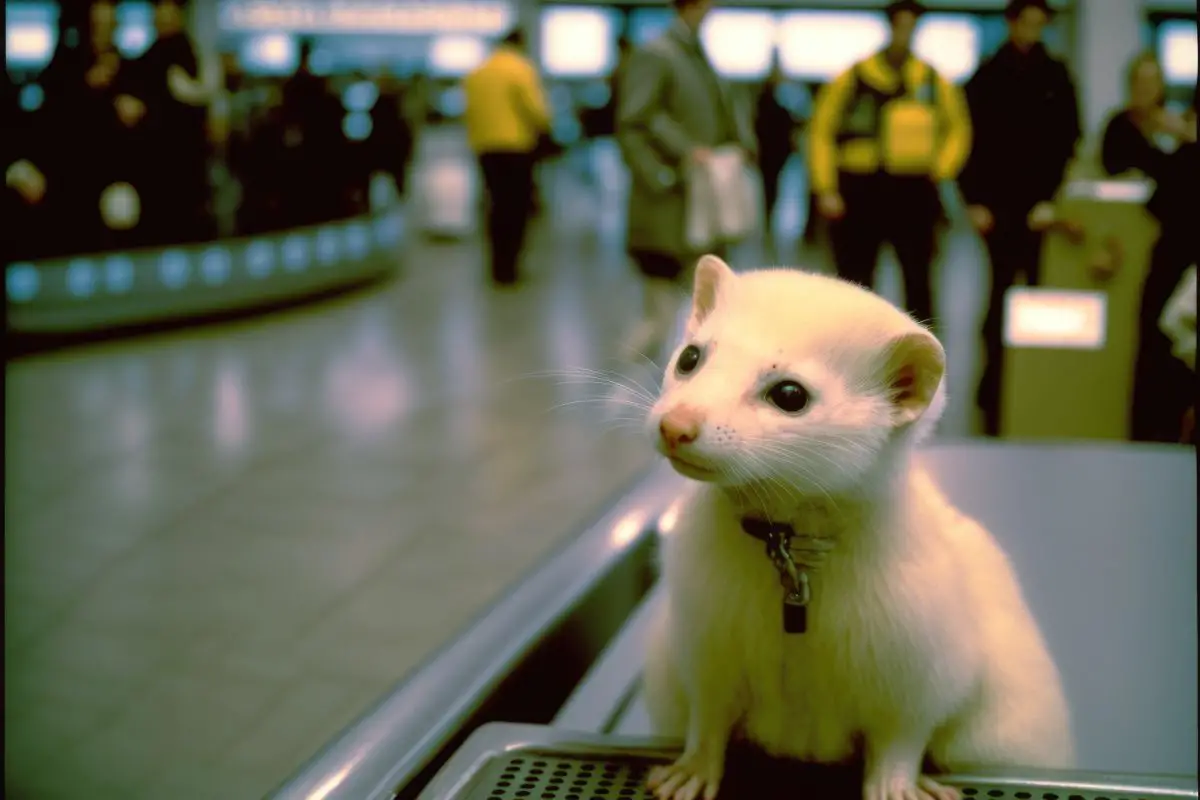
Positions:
{"x": 539, "y": 698}
{"x": 109, "y": 291}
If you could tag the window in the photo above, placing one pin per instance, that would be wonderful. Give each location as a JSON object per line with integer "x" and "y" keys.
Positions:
{"x": 951, "y": 43}
{"x": 740, "y": 44}
{"x": 455, "y": 56}
{"x": 818, "y": 45}
{"x": 577, "y": 41}
{"x": 1177, "y": 51}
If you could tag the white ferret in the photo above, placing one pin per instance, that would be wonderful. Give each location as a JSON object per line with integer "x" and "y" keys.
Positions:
{"x": 798, "y": 399}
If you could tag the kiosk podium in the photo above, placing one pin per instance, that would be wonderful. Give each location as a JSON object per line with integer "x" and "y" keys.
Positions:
{"x": 1070, "y": 343}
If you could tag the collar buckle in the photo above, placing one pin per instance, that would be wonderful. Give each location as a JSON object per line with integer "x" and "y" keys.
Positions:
{"x": 796, "y": 590}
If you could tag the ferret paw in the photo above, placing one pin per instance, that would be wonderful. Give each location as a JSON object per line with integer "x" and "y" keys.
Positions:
{"x": 686, "y": 779}
{"x": 925, "y": 788}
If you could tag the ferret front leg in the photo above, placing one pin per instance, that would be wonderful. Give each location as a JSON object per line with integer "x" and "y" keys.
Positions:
{"x": 893, "y": 770}
{"x": 698, "y": 772}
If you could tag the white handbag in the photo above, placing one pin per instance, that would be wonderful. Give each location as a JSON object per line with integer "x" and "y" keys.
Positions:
{"x": 721, "y": 207}
{"x": 1178, "y": 319}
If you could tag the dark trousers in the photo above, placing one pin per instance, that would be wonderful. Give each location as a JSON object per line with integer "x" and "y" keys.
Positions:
{"x": 1013, "y": 250}
{"x": 508, "y": 182}
{"x": 1163, "y": 386}
{"x": 771, "y": 170}
{"x": 900, "y": 211}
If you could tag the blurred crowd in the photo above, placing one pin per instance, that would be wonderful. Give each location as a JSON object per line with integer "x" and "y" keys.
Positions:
{"x": 884, "y": 138}
{"x": 125, "y": 152}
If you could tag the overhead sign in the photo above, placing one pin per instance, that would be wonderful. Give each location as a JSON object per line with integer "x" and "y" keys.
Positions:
{"x": 481, "y": 17}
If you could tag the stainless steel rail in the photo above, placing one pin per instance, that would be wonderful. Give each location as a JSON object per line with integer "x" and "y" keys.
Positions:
{"x": 392, "y": 743}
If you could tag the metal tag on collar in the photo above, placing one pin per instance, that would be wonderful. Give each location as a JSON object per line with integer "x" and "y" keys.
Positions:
{"x": 795, "y": 581}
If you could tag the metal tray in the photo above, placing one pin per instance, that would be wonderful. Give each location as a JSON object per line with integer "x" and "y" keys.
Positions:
{"x": 530, "y": 762}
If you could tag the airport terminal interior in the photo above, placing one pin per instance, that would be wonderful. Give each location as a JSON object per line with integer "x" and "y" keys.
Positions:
{"x": 277, "y": 434}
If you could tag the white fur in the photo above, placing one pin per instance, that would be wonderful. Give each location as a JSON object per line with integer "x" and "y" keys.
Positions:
{"x": 919, "y": 642}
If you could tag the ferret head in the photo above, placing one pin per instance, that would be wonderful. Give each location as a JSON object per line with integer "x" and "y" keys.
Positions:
{"x": 793, "y": 380}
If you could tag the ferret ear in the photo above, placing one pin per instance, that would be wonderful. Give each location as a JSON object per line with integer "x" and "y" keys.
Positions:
{"x": 711, "y": 274}
{"x": 913, "y": 371}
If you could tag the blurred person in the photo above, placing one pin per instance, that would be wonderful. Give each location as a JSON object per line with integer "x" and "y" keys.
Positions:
{"x": 775, "y": 130}
{"x": 1025, "y": 123}
{"x": 884, "y": 133}
{"x": 506, "y": 118}
{"x": 232, "y": 113}
{"x": 673, "y": 111}
{"x": 87, "y": 147}
{"x": 391, "y": 133}
{"x": 315, "y": 149}
{"x": 171, "y": 101}
{"x": 1146, "y": 137}
{"x": 605, "y": 124}
{"x": 1142, "y": 135}
{"x": 600, "y": 124}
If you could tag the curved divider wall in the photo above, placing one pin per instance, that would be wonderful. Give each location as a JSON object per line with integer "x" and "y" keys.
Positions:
{"x": 79, "y": 294}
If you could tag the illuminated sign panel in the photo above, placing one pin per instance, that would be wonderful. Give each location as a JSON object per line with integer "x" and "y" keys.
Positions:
{"x": 821, "y": 44}
{"x": 455, "y": 56}
{"x": 486, "y": 17}
{"x": 577, "y": 41}
{"x": 1055, "y": 319}
{"x": 740, "y": 43}
{"x": 1177, "y": 50}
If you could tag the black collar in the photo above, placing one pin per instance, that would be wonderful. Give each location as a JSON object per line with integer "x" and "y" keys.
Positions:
{"x": 765, "y": 530}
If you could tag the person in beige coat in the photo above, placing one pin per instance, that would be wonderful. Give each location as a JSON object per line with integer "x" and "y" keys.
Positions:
{"x": 673, "y": 110}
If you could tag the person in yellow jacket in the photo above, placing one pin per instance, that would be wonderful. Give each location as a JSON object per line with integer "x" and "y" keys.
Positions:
{"x": 506, "y": 118}
{"x": 884, "y": 133}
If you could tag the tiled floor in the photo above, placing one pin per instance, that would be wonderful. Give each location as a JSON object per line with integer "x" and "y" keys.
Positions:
{"x": 221, "y": 544}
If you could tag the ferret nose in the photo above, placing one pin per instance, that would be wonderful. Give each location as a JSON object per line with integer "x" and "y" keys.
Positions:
{"x": 680, "y": 426}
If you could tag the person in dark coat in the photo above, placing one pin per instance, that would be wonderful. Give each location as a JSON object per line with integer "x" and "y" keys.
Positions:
{"x": 391, "y": 135}
{"x": 1025, "y": 118}
{"x": 173, "y": 105}
{"x": 88, "y": 147}
{"x": 315, "y": 149}
{"x": 1146, "y": 137}
{"x": 775, "y": 129}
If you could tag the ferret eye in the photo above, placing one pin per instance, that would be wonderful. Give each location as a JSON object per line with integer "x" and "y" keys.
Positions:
{"x": 788, "y": 396}
{"x": 688, "y": 360}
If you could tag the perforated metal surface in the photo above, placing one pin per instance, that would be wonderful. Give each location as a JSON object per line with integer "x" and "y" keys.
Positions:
{"x": 547, "y": 775}
{"x": 533, "y": 775}
{"x": 985, "y": 792}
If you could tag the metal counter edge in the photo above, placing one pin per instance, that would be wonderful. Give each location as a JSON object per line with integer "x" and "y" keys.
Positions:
{"x": 393, "y": 741}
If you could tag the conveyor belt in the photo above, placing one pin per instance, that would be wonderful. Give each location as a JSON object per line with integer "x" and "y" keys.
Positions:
{"x": 105, "y": 291}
